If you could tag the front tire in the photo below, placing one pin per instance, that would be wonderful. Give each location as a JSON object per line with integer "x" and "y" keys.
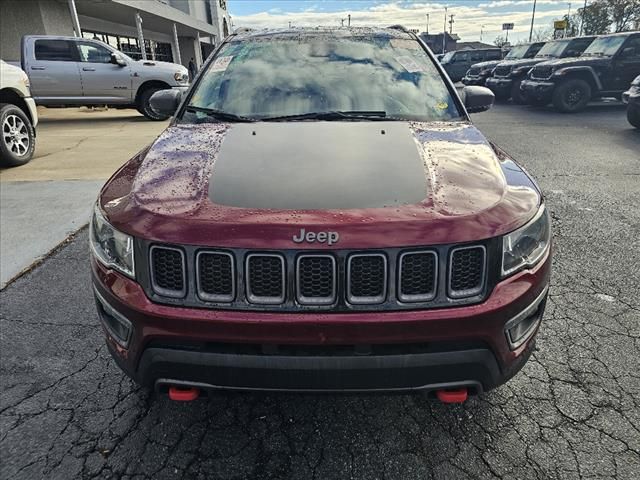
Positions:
{"x": 572, "y": 96}
{"x": 18, "y": 140}
{"x": 144, "y": 106}
{"x": 633, "y": 115}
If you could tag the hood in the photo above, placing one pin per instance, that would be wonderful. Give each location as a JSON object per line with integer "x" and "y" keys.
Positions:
{"x": 522, "y": 62}
{"x": 577, "y": 61}
{"x": 379, "y": 184}
{"x": 487, "y": 64}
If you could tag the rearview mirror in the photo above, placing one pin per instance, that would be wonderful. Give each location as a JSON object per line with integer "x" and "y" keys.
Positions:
{"x": 166, "y": 102}
{"x": 477, "y": 99}
{"x": 117, "y": 60}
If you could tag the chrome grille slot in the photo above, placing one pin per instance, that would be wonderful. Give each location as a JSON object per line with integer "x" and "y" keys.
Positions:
{"x": 366, "y": 278}
{"x": 542, "y": 72}
{"x": 316, "y": 282}
{"x": 417, "y": 277}
{"x": 215, "y": 276}
{"x": 265, "y": 278}
{"x": 467, "y": 267}
{"x": 168, "y": 276}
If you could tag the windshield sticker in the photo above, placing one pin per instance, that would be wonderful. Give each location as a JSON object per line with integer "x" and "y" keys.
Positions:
{"x": 221, "y": 64}
{"x": 409, "y": 64}
{"x": 404, "y": 43}
{"x": 442, "y": 105}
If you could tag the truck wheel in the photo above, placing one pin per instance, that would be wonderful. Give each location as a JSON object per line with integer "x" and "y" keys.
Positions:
{"x": 18, "y": 140}
{"x": 518, "y": 96}
{"x": 572, "y": 96}
{"x": 633, "y": 115}
{"x": 145, "y": 108}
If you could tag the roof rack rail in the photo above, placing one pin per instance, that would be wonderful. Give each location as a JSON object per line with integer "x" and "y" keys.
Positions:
{"x": 402, "y": 28}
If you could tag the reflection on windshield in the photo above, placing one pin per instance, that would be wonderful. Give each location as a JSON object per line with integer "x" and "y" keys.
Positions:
{"x": 447, "y": 57}
{"x": 517, "y": 52}
{"x": 260, "y": 79}
{"x": 553, "y": 49}
{"x": 605, "y": 46}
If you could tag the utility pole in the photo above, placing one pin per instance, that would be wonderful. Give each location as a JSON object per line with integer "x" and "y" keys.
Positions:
{"x": 584, "y": 11}
{"x": 533, "y": 16}
{"x": 428, "y": 23}
{"x": 349, "y": 20}
{"x": 451, "y": 24}
{"x": 342, "y": 22}
{"x": 481, "y": 30}
{"x": 566, "y": 29}
{"x": 444, "y": 32}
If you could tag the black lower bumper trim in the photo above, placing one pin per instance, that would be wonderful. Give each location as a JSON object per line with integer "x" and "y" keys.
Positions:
{"x": 477, "y": 369}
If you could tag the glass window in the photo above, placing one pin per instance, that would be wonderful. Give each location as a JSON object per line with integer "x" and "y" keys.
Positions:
{"x": 461, "y": 57}
{"x": 494, "y": 55}
{"x": 477, "y": 56}
{"x": 634, "y": 43}
{"x": 93, "y": 53}
{"x": 553, "y": 49}
{"x": 296, "y": 75}
{"x": 533, "y": 50}
{"x": 605, "y": 46}
{"x": 55, "y": 50}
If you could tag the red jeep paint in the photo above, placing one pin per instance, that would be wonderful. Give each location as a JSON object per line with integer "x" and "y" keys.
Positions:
{"x": 475, "y": 194}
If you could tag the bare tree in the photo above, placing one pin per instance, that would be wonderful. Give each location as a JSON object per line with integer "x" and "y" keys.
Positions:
{"x": 624, "y": 13}
{"x": 542, "y": 34}
{"x": 500, "y": 41}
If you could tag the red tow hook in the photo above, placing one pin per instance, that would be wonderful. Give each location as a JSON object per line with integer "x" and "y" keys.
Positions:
{"x": 459, "y": 395}
{"x": 180, "y": 394}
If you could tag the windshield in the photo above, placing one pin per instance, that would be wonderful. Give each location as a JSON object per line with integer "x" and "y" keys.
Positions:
{"x": 367, "y": 76}
{"x": 553, "y": 49}
{"x": 605, "y": 46}
{"x": 517, "y": 52}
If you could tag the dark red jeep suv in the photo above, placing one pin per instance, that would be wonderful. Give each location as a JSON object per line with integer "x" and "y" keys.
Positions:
{"x": 321, "y": 215}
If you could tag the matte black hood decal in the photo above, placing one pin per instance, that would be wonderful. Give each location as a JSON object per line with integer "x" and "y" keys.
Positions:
{"x": 318, "y": 165}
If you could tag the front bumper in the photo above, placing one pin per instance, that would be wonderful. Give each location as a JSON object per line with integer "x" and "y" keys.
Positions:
{"x": 499, "y": 85}
{"x": 478, "y": 80}
{"x": 365, "y": 351}
{"x": 540, "y": 90}
{"x": 632, "y": 96}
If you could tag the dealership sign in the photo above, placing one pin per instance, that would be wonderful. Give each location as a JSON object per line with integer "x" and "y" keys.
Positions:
{"x": 507, "y": 26}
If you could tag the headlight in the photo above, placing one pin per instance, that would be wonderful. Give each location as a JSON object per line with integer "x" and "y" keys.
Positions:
{"x": 112, "y": 248}
{"x": 527, "y": 245}
{"x": 636, "y": 82}
{"x": 181, "y": 77}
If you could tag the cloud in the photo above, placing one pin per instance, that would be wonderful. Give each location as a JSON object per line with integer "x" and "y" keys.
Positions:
{"x": 468, "y": 18}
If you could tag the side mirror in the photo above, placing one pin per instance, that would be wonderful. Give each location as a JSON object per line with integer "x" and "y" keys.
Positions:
{"x": 477, "y": 99}
{"x": 165, "y": 102}
{"x": 117, "y": 60}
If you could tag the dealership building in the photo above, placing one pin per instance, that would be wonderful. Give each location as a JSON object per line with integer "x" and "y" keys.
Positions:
{"x": 170, "y": 30}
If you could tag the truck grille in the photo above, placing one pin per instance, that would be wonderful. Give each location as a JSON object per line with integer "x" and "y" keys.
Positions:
{"x": 502, "y": 71}
{"x": 168, "y": 271}
{"x": 466, "y": 271}
{"x": 541, "y": 72}
{"x": 215, "y": 276}
{"x": 341, "y": 280}
{"x": 366, "y": 278}
{"x": 474, "y": 71}
{"x": 417, "y": 276}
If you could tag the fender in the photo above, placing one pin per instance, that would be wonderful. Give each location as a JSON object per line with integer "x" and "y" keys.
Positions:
{"x": 584, "y": 68}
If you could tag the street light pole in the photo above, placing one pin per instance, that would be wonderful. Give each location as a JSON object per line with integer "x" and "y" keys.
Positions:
{"x": 444, "y": 32}
{"x": 533, "y": 17}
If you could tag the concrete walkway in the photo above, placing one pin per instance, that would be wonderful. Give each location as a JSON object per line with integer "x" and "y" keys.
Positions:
{"x": 45, "y": 201}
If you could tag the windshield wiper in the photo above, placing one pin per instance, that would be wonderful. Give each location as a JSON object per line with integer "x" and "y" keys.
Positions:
{"x": 331, "y": 115}
{"x": 218, "y": 114}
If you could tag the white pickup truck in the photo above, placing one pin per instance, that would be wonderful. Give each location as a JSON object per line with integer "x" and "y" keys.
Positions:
{"x": 18, "y": 117}
{"x": 68, "y": 71}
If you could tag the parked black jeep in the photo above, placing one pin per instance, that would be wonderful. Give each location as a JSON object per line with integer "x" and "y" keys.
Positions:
{"x": 479, "y": 72}
{"x": 507, "y": 76}
{"x": 605, "y": 69}
{"x": 632, "y": 98}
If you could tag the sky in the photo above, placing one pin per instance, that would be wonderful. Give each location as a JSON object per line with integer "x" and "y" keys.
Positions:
{"x": 470, "y": 16}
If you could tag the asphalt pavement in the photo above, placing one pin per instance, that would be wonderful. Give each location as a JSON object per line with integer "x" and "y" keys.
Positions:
{"x": 66, "y": 410}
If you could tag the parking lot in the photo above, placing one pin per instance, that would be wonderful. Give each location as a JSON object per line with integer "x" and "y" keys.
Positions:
{"x": 67, "y": 411}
